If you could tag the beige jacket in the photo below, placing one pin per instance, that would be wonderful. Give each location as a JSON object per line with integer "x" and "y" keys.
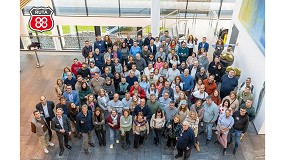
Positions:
{"x": 38, "y": 125}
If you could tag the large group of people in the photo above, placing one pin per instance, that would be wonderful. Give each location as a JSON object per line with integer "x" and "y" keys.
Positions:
{"x": 157, "y": 85}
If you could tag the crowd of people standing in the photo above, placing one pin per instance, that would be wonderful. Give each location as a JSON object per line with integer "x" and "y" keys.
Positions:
{"x": 156, "y": 85}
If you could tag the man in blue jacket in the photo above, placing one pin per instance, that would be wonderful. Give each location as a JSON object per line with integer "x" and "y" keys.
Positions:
{"x": 84, "y": 122}
{"x": 99, "y": 60}
{"x": 188, "y": 82}
{"x": 203, "y": 44}
{"x": 210, "y": 116}
{"x": 71, "y": 95}
{"x": 185, "y": 141}
{"x": 99, "y": 43}
{"x": 142, "y": 107}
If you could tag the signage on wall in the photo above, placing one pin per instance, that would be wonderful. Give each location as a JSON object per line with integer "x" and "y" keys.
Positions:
{"x": 41, "y": 19}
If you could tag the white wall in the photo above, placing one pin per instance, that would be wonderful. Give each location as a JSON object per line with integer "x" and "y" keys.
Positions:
{"x": 251, "y": 61}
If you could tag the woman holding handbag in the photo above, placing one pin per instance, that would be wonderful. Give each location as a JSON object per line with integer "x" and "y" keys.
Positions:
{"x": 156, "y": 123}
{"x": 99, "y": 126}
{"x": 140, "y": 130}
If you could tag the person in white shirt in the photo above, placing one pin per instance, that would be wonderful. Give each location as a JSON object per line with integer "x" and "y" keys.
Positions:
{"x": 157, "y": 123}
{"x": 172, "y": 73}
{"x": 148, "y": 69}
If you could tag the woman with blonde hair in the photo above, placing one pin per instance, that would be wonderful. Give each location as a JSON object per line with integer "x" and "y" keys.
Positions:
{"x": 193, "y": 120}
{"x": 134, "y": 103}
{"x": 182, "y": 96}
{"x": 59, "y": 88}
{"x": 174, "y": 129}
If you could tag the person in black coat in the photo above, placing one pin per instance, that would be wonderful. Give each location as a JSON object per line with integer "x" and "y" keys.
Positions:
{"x": 142, "y": 107}
{"x": 185, "y": 141}
{"x": 61, "y": 125}
{"x": 46, "y": 109}
{"x": 86, "y": 49}
{"x": 84, "y": 122}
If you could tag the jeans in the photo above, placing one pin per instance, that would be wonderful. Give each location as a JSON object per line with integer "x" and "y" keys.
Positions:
{"x": 237, "y": 135}
{"x": 138, "y": 140}
{"x": 156, "y": 133}
{"x": 209, "y": 126}
{"x": 114, "y": 134}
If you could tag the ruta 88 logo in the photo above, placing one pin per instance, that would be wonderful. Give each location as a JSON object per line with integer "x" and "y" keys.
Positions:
{"x": 41, "y": 19}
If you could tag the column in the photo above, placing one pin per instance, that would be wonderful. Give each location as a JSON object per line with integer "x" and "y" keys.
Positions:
{"x": 54, "y": 31}
{"x": 155, "y": 17}
{"x": 24, "y": 31}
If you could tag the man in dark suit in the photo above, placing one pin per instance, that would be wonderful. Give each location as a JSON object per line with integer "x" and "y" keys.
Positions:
{"x": 203, "y": 44}
{"x": 46, "y": 109}
{"x": 152, "y": 47}
{"x": 61, "y": 125}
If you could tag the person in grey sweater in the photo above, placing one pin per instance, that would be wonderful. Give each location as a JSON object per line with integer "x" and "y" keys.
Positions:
{"x": 210, "y": 116}
{"x": 172, "y": 73}
{"x": 116, "y": 103}
{"x": 127, "y": 100}
{"x": 125, "y": 53}
{"x": 140, "y": 62}
{"x": 170, "y": 111}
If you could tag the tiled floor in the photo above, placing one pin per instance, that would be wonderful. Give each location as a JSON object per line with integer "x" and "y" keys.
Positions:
{"x": 40, "y": 81}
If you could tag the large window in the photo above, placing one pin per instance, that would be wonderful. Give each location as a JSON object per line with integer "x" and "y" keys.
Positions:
{"x": 103, "y": 7}
{"x": 42, "y": 37}
{"x": 138, "y": 8}
{"x": 69, "y": 7}
{"x": 36, "y": 3}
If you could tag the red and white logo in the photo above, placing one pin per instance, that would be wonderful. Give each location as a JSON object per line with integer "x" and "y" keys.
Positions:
{"x": 41, "y": 19}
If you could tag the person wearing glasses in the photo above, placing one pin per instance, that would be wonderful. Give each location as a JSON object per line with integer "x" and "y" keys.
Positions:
{"x": 71, "y": 95}
{"x": 239, "y": 128}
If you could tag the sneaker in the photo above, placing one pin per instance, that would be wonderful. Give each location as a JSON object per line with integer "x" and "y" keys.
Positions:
{"x": 111, "y": 146}
{"x": 50, "y": 144}
{"x": 117, "y": 141}
{"x": 201, "y": 124}
{"x": 214, "y": 128}
{"x": 45, "y": 150}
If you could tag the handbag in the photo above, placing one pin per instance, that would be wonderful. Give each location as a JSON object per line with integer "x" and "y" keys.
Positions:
{"x": 143, "y": 133}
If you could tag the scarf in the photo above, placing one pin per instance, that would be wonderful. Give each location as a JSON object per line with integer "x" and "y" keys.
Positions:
{"x": 115, "y": 121}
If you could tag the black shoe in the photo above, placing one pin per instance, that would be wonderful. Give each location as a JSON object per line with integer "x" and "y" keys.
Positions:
{"x": 178, "y": 155}
{"x": 91, "y": 144}
{"x": 61, "y": 152}
{"x": 86, "y": 151}
{"x": 229, "y": 143}
{"x": 68, "y": 146}
{"x": 224, "y": 151}
{"x": 154, "y": 141}
{"x": 207, "y": 141}
{"x": 217, "y": 142}
{"x": 124, "y": 147}
{"x": 235, "y": 151}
